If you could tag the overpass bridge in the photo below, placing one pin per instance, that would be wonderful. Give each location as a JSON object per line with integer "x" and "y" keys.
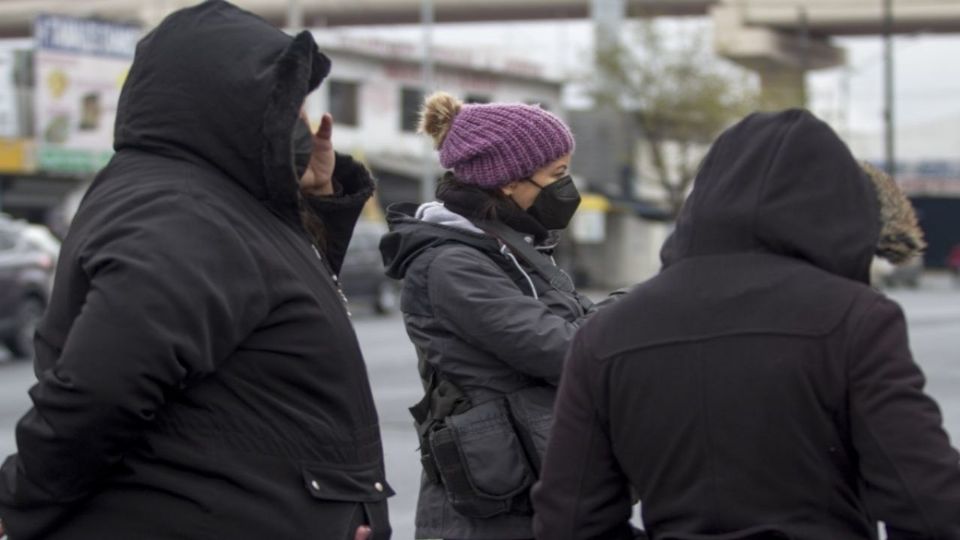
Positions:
{"x": 779, "y": 39}
{"x": 823, "y": 17}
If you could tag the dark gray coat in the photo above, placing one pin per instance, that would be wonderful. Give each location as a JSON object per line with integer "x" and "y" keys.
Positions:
{"x": 484, "y": 323}
{"x": 757, "y": 388}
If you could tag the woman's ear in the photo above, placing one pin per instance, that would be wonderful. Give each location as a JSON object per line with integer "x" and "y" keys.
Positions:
{"x": 510, "y": 188}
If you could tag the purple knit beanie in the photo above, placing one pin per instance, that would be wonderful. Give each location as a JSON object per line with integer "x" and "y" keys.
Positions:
{"x": 491, "y": 145}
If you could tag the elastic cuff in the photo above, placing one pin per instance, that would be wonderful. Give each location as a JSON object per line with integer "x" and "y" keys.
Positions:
{"x": 352, "y": 186}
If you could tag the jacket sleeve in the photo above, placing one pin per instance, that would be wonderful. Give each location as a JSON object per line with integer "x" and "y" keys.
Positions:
{"x": 170, "y": 292}
{"x": 339, "y": 213}
{"x": 483, "y": 306}
{"x": 582, "y": 493}
{"x": 611, "y": 299}
{"x": 911, "y": 474}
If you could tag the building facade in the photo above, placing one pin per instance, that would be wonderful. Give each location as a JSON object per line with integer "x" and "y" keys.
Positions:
{"x": 375, "y": 90}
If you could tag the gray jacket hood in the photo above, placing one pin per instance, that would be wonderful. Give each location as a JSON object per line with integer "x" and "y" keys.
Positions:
{"x": 435, "y": 212}
{"x": 415, "y": 229}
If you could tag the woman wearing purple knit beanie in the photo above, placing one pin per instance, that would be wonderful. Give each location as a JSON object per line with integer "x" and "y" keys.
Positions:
{"x": 490, "y": 314}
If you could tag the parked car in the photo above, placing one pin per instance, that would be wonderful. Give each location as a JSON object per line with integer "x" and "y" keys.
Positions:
{"x": 27, "y": 263}
{"x": 362, "y": 276}
{"x": 885, "y": 274}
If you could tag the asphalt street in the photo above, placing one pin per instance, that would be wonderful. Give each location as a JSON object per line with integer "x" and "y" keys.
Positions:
{"x": 933, "y": 312}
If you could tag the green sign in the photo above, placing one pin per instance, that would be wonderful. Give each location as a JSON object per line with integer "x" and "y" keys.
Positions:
{"x": 67, "y": 160}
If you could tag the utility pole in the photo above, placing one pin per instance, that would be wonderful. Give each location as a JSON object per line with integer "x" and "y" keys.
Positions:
{"x": 888, "y": 88}
{"x": 607, "y": 18}
{"x": 294, "y": 16}
{"x": 804, "y": 52}
{"x": 845, "y": 100}
{"x": 428, "y": 182}
{"x": 619, "y": 132}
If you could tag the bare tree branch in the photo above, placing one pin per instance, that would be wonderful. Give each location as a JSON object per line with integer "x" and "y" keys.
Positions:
{"x": 679, "y": 96}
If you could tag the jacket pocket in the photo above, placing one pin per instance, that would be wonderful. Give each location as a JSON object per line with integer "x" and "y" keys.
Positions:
{"x": 481, "y": 461}
{"x": 532, "y": 411}
{"x": 361, "y": 485}
{"x": 346, "y": 483}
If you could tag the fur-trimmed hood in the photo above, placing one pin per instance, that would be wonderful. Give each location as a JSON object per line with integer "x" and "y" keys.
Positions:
{"x": 901, "y": 238}
{"x": 220, "y": 87}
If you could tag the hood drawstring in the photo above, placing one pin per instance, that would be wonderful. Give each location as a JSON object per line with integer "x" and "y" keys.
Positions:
{"x": 505, "y": 251}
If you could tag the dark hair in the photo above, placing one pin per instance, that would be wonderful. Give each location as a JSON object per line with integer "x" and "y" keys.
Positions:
{"x": 472, "y": 201}
{"x": 312, "y": 224}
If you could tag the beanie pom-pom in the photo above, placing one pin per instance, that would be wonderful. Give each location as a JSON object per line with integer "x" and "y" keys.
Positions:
{"x": 437, "y": 115}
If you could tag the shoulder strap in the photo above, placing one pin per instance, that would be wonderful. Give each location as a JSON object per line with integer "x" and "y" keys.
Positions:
{"x": 539, "y": 262}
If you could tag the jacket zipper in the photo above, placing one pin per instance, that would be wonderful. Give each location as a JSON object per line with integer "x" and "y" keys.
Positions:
{"x": 505, "y": 251}
{"x": 298, "y": 231}
{"x": 336, "y": 279}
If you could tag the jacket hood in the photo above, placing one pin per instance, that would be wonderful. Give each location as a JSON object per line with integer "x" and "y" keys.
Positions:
{"x": 220, "y": 87}
{"x": 411, "y": 236}
{"x": 436, "y": 212}
{"x": 782, "y": 183}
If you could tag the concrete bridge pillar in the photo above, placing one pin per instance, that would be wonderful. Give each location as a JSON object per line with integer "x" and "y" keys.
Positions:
{"x": 781, "y": 58}
{"x": 781, "y": 86}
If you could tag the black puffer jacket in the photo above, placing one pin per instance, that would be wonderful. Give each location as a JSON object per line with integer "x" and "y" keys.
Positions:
{"x": 757, "y": 387}
{"x": 487, "y": 323}
{"x": 199, "y": 377}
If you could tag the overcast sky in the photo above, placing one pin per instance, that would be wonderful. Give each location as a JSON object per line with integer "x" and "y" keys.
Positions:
{"x": 927, "y": 77}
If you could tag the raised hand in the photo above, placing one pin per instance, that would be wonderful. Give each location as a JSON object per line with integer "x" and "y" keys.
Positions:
{"x": 318, "y": 179}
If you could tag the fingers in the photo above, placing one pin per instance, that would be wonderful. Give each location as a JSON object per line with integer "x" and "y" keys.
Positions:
{"x": 363, "y": 533}
{"x": 325, "y": 131}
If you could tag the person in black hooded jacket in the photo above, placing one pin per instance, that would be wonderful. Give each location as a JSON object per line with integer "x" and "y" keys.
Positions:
{"x": 757, "y": 387}
{"x": 199, "y": 376}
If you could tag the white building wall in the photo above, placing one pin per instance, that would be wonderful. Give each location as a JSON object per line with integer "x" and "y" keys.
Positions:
{"x": 632, "y": 250}
{"x": 380, "y": 85}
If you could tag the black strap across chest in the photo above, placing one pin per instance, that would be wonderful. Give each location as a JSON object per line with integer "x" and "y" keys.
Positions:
{"x": 540, "y": 263}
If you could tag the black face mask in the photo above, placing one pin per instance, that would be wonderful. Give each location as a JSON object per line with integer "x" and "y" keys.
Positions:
{"x": 302, "y": 147}
{"x": 555, "y": 205}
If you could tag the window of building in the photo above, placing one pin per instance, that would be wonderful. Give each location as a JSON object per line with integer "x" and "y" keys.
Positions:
{"x": 411, "y": 99}
{"x": 344, "y": 103}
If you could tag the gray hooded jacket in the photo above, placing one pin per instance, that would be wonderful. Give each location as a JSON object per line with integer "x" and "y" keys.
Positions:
{"x": 485, "y": 321}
